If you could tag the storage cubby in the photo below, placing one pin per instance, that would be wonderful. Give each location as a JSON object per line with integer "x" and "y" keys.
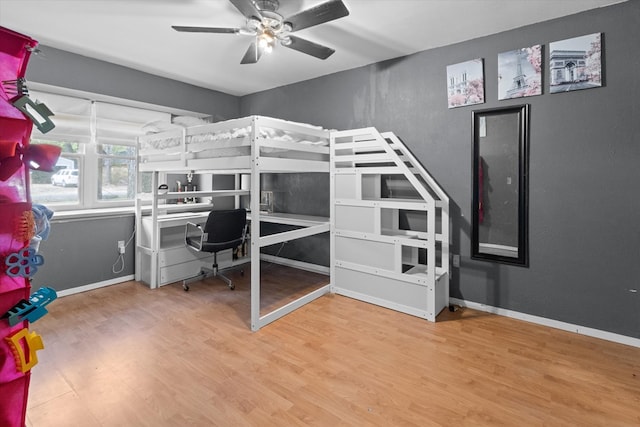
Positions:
{"x": 405, "y": 222}
{"x": 390, "y": 225}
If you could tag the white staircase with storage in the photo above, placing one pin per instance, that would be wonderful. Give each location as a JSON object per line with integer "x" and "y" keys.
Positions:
{"x": 389, "y": 225}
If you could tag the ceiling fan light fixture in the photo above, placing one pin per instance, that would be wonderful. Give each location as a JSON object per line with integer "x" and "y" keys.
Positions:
{"x": 285, "y": 41}
{"x": 272, "y": 20}
{"x": 253, "y": 24}
{"x": 267, "y": 40}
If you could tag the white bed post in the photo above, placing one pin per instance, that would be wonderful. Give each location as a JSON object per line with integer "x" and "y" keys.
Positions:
{"x": 236, "y": 186}
{"x": 138, "y": 220}
{"x": 154, "y": 232}
{"x": 332, "y": 209}
{"x": 255, "y": 225}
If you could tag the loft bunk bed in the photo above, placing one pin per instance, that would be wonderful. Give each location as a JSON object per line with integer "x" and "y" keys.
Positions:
{"x": 245, "y": 149}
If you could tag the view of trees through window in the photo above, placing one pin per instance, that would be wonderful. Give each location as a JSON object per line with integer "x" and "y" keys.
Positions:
{"x": 116, "y": 167}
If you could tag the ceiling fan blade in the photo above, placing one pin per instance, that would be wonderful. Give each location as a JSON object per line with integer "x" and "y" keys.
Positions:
{"x": 252, "y": 54}
{"x": 205, "y": 29}
{"x": 322, "y": 13}
{"x": 247, "y": 8}
{"x": 310, "y": 48}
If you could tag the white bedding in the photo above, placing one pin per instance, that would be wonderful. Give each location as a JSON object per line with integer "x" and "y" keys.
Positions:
{"x": 165, "y": 142}
{"x": 266, "y": 133}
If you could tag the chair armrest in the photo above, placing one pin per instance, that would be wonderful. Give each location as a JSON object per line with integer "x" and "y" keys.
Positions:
{"x": 194, "y": 236}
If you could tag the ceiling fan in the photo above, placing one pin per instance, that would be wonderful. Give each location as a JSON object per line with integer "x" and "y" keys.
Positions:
{"x": 268, "y": 27}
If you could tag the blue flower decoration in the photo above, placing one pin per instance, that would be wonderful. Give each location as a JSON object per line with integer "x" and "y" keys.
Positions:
{"x": 23, "y": 263}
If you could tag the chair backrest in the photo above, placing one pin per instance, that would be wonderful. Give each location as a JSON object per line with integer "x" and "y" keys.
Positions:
{"x": 226, "y": 226}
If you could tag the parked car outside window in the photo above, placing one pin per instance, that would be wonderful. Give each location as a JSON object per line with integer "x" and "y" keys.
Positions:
{"x": 65, "y": 178}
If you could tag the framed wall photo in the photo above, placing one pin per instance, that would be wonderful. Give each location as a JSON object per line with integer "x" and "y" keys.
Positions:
{"x": 520, "y": 73}
{"x": 465, "y": 83}
{"x": 576, "y": 63}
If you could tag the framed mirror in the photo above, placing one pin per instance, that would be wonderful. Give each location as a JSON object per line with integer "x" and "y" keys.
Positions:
{"x": 500, "y": 228}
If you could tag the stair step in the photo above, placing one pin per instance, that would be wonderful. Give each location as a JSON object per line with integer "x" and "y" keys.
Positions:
{"x": 382, "y": 170}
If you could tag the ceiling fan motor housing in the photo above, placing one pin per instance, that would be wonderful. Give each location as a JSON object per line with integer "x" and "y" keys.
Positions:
{"x": 267, "y": 5}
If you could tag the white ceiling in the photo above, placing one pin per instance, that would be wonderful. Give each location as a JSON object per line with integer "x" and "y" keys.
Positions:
{"x": 138, "y": 34}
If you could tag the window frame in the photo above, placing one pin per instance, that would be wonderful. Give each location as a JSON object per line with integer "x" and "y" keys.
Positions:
{"x": 87, "y": 157}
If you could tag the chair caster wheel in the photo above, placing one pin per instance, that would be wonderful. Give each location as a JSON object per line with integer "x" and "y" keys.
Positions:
{"x": 232, "y": 287}
{"x": 185, "y": 287}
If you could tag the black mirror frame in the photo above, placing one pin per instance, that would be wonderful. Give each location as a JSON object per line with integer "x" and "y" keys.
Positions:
{"x": 523, "y": 194}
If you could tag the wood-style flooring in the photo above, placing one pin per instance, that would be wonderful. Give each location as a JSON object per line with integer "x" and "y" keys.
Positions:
{"x": 126, "y": 355}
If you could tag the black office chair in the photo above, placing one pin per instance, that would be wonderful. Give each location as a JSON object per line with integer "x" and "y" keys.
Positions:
{"x": 223, "y": 230}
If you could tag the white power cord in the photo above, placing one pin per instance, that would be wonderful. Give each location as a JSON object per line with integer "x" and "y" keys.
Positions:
{"x": 120, "y": 257}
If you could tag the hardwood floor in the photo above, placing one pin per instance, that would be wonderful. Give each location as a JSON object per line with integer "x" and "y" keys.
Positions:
{"x": 129, "y": 356}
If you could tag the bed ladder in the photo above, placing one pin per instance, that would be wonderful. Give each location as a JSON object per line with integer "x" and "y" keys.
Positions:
{"x": 389, "y": 225}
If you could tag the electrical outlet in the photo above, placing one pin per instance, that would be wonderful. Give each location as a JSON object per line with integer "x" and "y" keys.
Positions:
{"x": 456, "y": 261}
{"x": 121, "y": 246}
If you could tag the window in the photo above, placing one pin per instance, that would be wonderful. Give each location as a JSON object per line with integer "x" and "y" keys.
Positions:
{"x": 97, "y": 167}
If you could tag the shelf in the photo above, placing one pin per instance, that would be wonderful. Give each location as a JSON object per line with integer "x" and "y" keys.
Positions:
{"x": 401, "y": 239}
{"x": 375, "y": 170}
{"x": 406, "y": 234}
{"x": 293, "y": 219}
{"x": 177, "y": 208}
{"x": 418, "y": 271}
{"x": 177, "y": 219}
{"x": 213, "y": 193}
{"x": 167, "y": 220}
{"x": 388, "y": 203}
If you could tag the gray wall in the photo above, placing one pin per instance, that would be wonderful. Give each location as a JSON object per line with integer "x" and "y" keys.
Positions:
{"x": 584, "y": 156}
{"x": 82, "y": 252}
{"x": 291, "y": 194}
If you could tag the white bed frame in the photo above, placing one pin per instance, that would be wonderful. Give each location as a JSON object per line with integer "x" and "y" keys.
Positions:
{"x": 375, "y": 256}
{"x": 247, "y": 146}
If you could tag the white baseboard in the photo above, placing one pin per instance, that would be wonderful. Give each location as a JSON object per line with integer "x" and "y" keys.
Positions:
{"x": 269, "y": 258}
{"x": 93, "y": 286}
{"x": 314, "y": 268}
{"x": 582, "y": 330}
